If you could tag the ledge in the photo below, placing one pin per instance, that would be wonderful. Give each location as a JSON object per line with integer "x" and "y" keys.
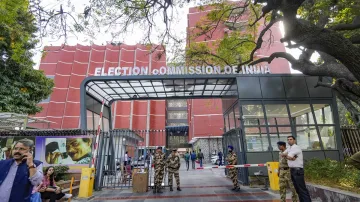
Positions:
{"x": 324, "y": 193}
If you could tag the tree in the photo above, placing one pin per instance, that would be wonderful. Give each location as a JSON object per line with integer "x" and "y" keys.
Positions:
{"x": 330, "y": 28}
{"x": 22, "y": 87}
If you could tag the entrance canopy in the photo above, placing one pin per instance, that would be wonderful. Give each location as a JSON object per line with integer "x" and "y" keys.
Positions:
{"x": 150, "y": 87}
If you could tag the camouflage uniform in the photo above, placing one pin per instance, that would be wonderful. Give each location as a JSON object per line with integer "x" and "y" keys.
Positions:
{"x": 173, "y": 164}
{"x": 285, "y": 179}
{"x": 159, "y": 165}
{"x": 233, "y": 172}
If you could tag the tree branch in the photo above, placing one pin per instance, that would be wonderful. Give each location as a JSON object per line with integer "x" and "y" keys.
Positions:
{"x": 335, "y": 70}
{"x": 342, "y": 27}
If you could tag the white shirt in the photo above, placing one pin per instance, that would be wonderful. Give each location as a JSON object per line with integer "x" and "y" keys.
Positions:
{"x": 126, "y": 158}
{"x": 292, "y": 151}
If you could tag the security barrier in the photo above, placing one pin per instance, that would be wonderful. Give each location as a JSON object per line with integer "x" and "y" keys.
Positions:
{"x": 86, "y": 182}
{"x": 273, "y": 172}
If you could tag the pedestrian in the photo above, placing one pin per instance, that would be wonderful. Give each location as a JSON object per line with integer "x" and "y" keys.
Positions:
{"x": 220, "y": 155}
{"x": 159, "y": 165}
{"x": 296, "y": 163}
{"x": 193, "y": 159}
{"x": 126, "y": 158}
{"x": 284, "y": 175}
{"x": 233, "y": 172}
{"x": 187, "y": 159}
{"x": 201, "y": 157}
{"x": 173, "y": 165}
{"x": 20, "y": 173}
{"x": 48, "y": 189}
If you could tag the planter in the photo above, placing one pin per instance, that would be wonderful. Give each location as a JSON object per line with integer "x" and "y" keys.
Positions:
{"x": 326, "y": 194}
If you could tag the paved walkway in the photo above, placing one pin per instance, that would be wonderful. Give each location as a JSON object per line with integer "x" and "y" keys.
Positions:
{"x": 197, "y": 186}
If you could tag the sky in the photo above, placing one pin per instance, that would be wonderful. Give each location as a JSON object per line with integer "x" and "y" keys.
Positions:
{"x": 131, "y": 38}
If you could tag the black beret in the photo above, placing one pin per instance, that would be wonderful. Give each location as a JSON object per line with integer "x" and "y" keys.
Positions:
{"x": 281, "y": 143}
{"x": 159, "y": 148}
{"x": 174, "y": 150}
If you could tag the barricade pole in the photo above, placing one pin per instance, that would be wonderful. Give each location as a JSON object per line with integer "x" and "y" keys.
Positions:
{"x": 97, "y": 136}
{"x": 233, "y": 166}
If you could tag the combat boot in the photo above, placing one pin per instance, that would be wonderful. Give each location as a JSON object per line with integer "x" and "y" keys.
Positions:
{"x": 159, "y": 190}
{"x": 154, "y": 190}
{"x": 171, "y": 189}
{"x": 178, "y": 189}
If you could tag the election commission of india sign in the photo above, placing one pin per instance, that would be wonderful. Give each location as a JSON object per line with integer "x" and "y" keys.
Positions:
{"x": 128, "y": 71}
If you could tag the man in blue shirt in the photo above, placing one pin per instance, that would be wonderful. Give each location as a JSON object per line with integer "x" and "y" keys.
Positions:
{"x": 19, "y": 174}
{"x": 193, "y": 158}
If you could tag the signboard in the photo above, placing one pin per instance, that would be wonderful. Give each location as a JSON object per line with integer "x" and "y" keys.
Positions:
{"x": 181, "y": 70}
{"x": 66, "y": 150}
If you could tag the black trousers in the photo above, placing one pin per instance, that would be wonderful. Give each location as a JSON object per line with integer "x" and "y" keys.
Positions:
{"x": 187, "y": 164}
{"x": 297, "y": 177}
{"x": 52, "y": 196}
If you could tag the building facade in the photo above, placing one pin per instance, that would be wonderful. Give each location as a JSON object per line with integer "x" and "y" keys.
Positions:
{"x": 70, "y": 65}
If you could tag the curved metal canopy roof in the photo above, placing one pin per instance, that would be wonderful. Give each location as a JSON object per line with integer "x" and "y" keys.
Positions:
{"x": 150, "y": 87}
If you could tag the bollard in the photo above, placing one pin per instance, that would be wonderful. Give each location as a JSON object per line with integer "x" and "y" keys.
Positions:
{"x": 273, "y": 170}
{"x": 86, "y": 182}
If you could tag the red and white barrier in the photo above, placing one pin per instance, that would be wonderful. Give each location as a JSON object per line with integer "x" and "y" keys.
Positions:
{"x": 97, "y": 136}
{"x": 234, "y": 166}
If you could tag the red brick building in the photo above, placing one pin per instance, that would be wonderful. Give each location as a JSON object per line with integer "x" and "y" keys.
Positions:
{"x": 206, "y": 115}
{"x": 68, "y": 66}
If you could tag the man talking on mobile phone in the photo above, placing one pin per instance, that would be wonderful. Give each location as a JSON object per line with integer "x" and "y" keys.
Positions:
{"x": 20, "y": 173}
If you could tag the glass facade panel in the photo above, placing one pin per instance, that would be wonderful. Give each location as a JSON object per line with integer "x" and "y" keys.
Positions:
{"x": 328, "y": 136}
{"x": 231, "y": 120}
{"x": 328, "y": 115}
{"x": 253, "y": 115}
{"x": 237, "y": 116}
{"x": 299, "y": 111}
{"x": 256, "y": 140}
{"x": 307, "y": 138}
{"x": 281, "y": 134}
{"x": 277, "y": 114}
{"x": 226, "y": 122}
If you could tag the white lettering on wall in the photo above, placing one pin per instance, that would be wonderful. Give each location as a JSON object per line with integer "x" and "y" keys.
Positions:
{"x": 181, "y": 70}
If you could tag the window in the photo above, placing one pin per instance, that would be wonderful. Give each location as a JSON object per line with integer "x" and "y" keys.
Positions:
{"x": 177, "y": 115}
{"x": 256, "y": 139}
{"x": 277, "y": 114}
{"x": 306, "y": 128}
{"x": 278, "y": 134}
{"x": 253, "y": 115}
{"x": 177, "y": 103}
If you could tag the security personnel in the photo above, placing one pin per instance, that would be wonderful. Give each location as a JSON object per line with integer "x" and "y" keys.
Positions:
{"x": 173, "y": 164}
{"x": 159, "y": 165}
{"x": 233, "y": 172}
{"x": 284, "y": 175}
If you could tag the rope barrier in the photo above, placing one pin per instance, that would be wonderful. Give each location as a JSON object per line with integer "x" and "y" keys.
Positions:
{"x": 233, "y": 166}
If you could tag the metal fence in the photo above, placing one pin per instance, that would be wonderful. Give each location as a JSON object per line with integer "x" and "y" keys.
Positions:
{"x": 111, "y": 169}
{"x": 234, "y": 138}
{"x": 351, "y": 140}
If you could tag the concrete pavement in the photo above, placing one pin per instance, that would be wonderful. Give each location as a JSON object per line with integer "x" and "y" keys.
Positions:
{"x": 197, "y": 186}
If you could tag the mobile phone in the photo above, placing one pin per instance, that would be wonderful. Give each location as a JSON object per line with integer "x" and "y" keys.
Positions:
{"x": 23, "y": 157}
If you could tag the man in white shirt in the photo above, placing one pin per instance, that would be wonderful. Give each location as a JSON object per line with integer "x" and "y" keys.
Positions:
{"x": 296, "y": 163}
